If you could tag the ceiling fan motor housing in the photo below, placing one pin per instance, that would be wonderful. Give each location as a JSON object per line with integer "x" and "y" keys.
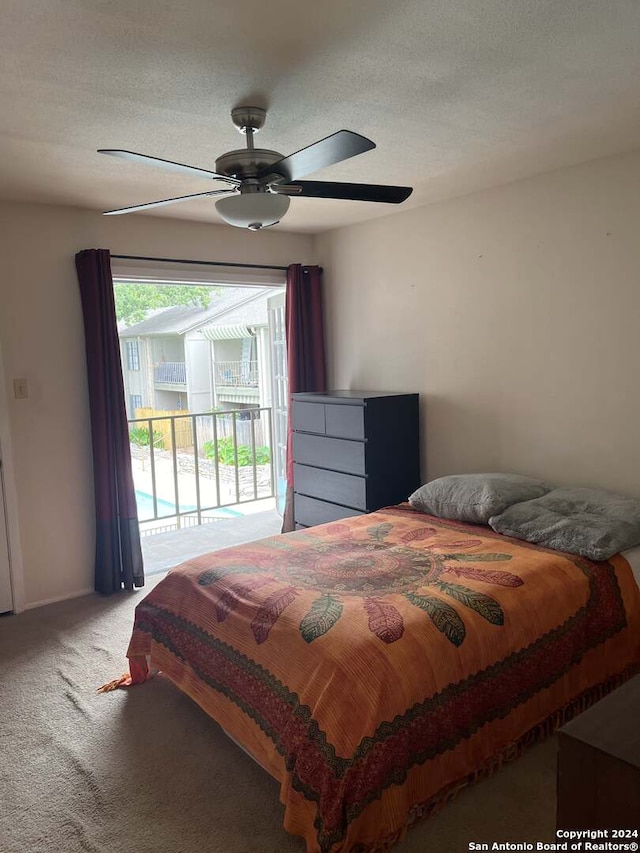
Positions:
{"x": 246, "y": 162}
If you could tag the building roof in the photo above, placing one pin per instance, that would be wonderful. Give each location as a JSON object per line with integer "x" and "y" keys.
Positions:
{"x": 252, "y": 313}
{"x": 225, "y": 306}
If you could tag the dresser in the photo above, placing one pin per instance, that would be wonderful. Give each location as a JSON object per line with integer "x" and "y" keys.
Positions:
{"x": 599, "y": 766}
{"x": 354, "y": 452}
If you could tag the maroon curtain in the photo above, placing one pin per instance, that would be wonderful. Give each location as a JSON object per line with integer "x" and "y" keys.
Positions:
{"x": 118, "y": 552}
{"x": 305, "y": 351}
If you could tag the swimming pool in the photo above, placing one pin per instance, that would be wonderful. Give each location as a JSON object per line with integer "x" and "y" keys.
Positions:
{"x": 144, "y": 503}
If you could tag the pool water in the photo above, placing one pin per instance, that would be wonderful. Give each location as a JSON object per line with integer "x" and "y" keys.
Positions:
{"x": 144, "y": 503}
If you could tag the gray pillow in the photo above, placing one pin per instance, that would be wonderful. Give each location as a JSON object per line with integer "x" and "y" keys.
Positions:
{"x": 588, "y": 522}
{"x": 475, "y": 497}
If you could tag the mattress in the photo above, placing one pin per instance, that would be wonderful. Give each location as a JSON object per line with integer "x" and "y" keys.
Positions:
{"x": 632, "y": 556}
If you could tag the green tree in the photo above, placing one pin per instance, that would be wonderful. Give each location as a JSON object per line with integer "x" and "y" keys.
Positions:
{"x": 134, "y": 301}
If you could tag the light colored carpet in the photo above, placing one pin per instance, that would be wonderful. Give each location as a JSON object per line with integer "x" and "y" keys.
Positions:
{"x": 146, "y": 771}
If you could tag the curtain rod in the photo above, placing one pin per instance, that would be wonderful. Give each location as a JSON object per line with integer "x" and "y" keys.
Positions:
{"x": 201, "y": 263}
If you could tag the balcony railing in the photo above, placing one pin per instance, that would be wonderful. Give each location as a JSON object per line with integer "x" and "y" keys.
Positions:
{"x": 189, "y": 467}
{"x": 170, "y": 373}
{"x": 236, "y": 374}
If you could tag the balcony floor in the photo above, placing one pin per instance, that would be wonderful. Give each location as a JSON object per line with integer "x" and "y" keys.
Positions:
{"x": 163, "y": 551}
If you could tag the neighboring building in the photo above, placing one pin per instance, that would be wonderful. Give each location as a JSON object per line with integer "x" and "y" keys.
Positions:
{"x": 198, "y": 359}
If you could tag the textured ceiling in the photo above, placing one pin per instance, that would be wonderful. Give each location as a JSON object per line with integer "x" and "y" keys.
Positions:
{"x": 457, "y": 94}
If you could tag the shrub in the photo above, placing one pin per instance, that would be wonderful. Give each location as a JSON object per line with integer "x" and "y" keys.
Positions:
{"x": 140, "y": 436}
{"x": 226, "y": 454}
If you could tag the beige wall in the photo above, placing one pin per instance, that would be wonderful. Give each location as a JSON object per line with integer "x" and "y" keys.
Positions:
{"x": 42, "y": 339}
{"x": 514, "y": 312}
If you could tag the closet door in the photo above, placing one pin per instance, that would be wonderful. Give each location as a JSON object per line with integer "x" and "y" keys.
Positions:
{"x": 6, "y": 599}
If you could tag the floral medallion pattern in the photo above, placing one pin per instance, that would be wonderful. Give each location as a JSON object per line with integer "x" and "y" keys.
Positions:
{"x": 341, "y": 566}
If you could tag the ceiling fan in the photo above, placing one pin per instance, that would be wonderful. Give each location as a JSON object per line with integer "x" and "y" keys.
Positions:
{"x": 258, "y": 182}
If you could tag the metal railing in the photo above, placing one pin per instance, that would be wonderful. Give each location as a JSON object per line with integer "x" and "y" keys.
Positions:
{"x": 194, "y": 464}
{"x": 170, "y": 373}
{"x": 236, "y": 374}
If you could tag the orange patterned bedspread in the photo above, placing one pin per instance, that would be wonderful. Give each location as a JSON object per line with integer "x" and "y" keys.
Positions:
{"x": 373, "y": 666}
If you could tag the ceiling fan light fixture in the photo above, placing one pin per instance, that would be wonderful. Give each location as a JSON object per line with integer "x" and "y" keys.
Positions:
{"x": 253, "y": 210}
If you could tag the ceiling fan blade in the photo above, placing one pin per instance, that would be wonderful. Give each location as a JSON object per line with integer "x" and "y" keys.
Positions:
{"x": 333, "y": 149}
{"x": 166, "y": 164}
{"x": 162, "y": 203}
{"x": 354, "y": 192}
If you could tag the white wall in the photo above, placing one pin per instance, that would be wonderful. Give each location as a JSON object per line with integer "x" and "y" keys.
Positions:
{"x": 514, "y": 312}
{"x": 42, "y": 339}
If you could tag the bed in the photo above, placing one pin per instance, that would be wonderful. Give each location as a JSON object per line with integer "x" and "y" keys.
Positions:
{"x": 377, "y": 665}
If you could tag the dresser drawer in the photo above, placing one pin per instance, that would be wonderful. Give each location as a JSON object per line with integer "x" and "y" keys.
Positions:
{"x": 347, "y": 489}
{"x": 308, "y": 417}
{"x": 309, "y": 511}
{"x": 333, "y": 453}
{"x": 344, "y": 421}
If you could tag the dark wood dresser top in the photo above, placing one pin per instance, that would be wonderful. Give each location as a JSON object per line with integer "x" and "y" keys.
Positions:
{"x": 612, "y": 725}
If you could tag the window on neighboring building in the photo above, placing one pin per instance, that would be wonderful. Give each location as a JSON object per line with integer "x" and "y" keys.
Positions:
{"x": 135, "y": 402}
{"x": 133, "y": 355}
